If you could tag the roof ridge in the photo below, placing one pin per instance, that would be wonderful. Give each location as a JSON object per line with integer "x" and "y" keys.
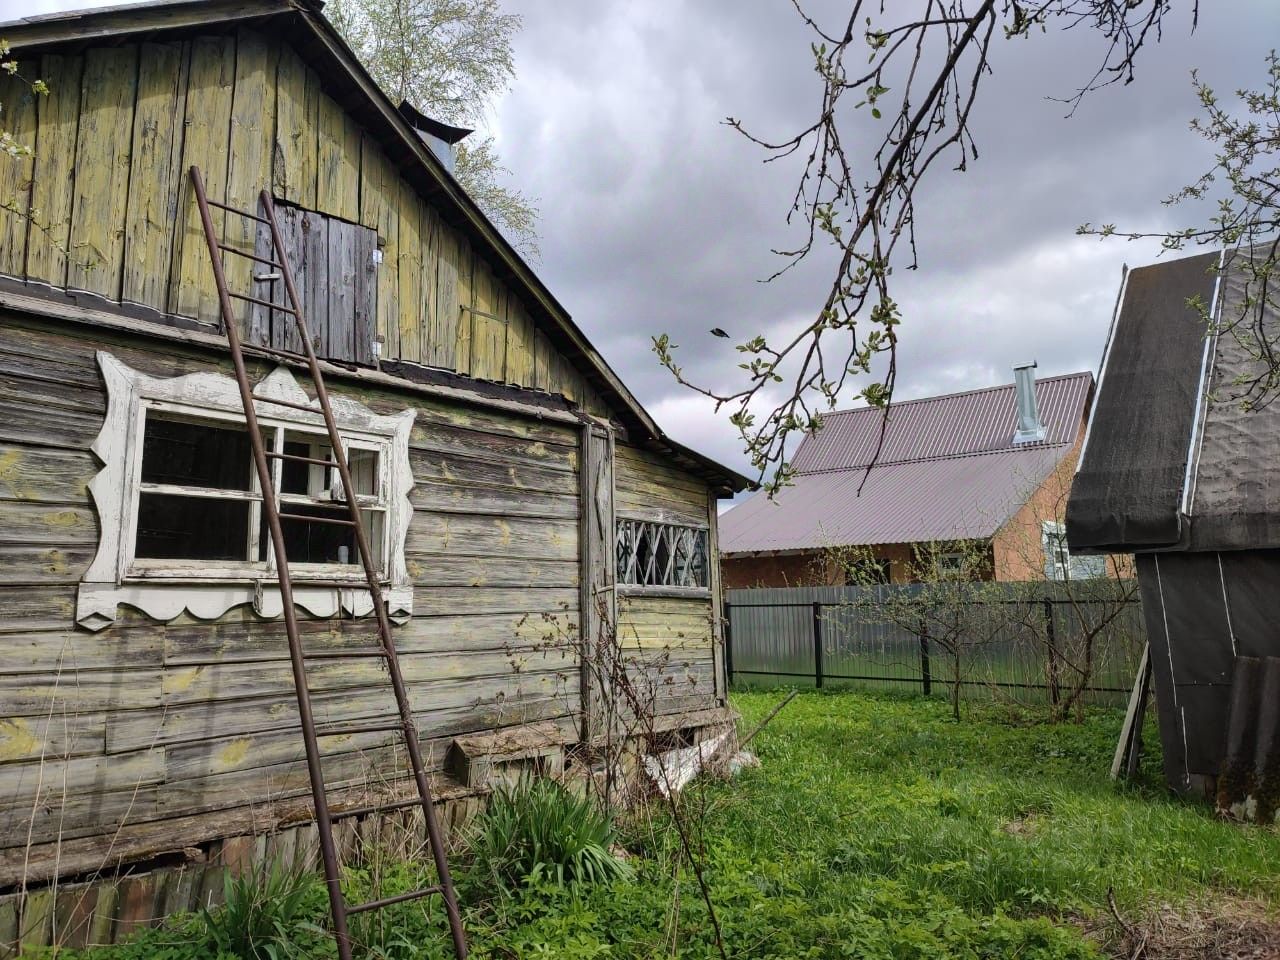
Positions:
{"x": 1040, "y": 445}
{"x": 957, "y": 393}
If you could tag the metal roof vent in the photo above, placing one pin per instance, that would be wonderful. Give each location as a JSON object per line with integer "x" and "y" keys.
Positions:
{"x": 1030, "y": 429}
{"x": 441, "y": 138}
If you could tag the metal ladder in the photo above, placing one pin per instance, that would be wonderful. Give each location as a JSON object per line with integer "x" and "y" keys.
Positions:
{"x": 278, "y": 260}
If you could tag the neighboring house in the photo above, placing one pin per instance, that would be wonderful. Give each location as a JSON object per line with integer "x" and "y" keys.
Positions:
{"x": 1178, "y": 471}
{"x": 985, "y": 469}
{"x": 518, "y": 494}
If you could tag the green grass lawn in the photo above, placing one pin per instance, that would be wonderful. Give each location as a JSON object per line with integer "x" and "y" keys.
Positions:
{"x": 878, "y": 828}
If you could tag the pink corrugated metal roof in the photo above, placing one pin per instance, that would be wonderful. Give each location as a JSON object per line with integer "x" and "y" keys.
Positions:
{"x": 979, "y": 421}
{"x": 948, "y": 471}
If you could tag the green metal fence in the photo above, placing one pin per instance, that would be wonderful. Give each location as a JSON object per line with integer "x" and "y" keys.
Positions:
{"x": 1029, "y": 643}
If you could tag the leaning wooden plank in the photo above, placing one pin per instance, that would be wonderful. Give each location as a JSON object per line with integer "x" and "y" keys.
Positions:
{"x": 338, "y": 175}
{"x": 154, "y": 173}
{"x": 297, "y": 126}
{"x": 206, "y": 144}
{"x": 249, "y": 166}
{"x": 58, "y": 119}
{"x": 19, "y": 103}
{"x": 409, "y": 341}
{"x": 103, "y": 147}
{"x": 1130, "y": 730}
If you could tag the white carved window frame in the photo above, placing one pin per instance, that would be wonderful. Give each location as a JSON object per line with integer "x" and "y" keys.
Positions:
{"x": 164, "y": 590}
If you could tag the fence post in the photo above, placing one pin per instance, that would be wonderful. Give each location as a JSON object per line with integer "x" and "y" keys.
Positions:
{"x": 817, "y": 643}
{"x": 728, "y": 645}
{"x": 926, "y": 678}
{"x": 1055, "y": 692}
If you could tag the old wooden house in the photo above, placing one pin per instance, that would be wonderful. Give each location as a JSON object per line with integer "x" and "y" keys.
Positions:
{"x": 517, "y": 493}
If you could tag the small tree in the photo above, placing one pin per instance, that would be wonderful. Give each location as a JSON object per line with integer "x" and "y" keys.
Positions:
{"x": 948, "y": 604}
{"x": 451, "y": 59}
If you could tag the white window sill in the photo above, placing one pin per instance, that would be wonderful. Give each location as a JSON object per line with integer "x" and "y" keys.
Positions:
{"x": 683, "y": 593}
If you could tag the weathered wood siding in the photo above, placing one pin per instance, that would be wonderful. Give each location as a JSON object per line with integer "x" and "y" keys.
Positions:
{"x": 676, "y": 635}
{"x": 145, "y": 722}
{"x": 115, "y": 215}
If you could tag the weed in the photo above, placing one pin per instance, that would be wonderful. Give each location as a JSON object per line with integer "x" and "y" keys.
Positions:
{"x": 537, "y": 831}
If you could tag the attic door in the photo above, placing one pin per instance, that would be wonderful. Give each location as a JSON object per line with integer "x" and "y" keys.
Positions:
{"x": 335, "y": 270}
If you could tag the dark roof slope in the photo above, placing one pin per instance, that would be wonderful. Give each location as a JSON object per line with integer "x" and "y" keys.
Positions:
{"x": 1173, "y": 461}
{"x": 948, "y": 471}
{"x": 301, "y": 23}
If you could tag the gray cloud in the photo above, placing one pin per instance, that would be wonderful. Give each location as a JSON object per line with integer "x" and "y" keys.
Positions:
{"x": 658, "y": 218}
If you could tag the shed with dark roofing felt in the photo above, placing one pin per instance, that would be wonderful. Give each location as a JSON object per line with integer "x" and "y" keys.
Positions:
{"x": 1177, "y": 469}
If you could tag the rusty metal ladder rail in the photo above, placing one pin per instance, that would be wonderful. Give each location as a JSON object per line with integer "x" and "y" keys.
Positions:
{"x": 298, "y": 657}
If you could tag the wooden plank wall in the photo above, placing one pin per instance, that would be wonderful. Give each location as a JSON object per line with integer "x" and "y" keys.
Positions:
{"x": 145, "y": 722}
{"x": 115, "y": 215}
{"x": 676, "y": 636}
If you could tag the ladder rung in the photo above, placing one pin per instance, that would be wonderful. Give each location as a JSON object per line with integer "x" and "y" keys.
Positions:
{"x": 375, "y": 808}
{"x": 237, "y": 211}
{"x": 303, "y": 516}
{"x": 344, "y": 654}
{"x": 333, "y": 584}
{"x": 398, "y": 898}
{"x": 362, "y": 728}
{"x": 300, "y": 459}
{"x": 282, "y": 354}
{"x": 287, "y": 403}
{"x": 262, "y": 303}
{"x": 250, "y": 256}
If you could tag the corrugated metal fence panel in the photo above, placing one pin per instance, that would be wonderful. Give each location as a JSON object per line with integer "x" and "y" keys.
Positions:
{"x": 772, "y": 636}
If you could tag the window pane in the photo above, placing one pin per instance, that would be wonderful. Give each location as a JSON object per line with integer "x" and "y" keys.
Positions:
{"x": 196, "y": 454}
{"x": 307, "y": 479}
{"x": 327, "y": 542}
{"x": 191, "y": 528}
{"x": 363, "y": 465}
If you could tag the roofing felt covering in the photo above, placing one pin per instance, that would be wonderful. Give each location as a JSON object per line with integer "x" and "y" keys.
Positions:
{"x": 948, "y": 471}
{"x": 1173, "y": 459}
{"x": 1128, "y": 489}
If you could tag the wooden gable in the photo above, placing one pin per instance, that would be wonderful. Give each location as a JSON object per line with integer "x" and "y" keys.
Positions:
{"x": 112, "y": 214}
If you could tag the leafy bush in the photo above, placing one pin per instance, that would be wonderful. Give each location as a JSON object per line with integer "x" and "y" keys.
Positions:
{"x": 539, "y": 832}
{"x": 264, "y": 916}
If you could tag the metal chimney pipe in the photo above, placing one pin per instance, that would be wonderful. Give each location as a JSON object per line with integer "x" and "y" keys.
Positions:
{"x": 1029, "y": 429}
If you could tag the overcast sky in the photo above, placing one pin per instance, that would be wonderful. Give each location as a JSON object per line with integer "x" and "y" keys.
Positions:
{"x": 656, "y": 217}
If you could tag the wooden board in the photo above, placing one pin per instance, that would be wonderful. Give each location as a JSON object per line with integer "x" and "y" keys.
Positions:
{"x": 154, "y": 171}
{"x": 409, "y": 251}
{"x": 57, "y": 123}
{"x": 19, "y": 118}
{"x": 379, "y": 199}
{"x": 249, "y": 166}
{"x": 338, "y": 165}
{"x": 103, "y": 146}
{"x": 297, "y": 130}
{"x": 206, "y": 144}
